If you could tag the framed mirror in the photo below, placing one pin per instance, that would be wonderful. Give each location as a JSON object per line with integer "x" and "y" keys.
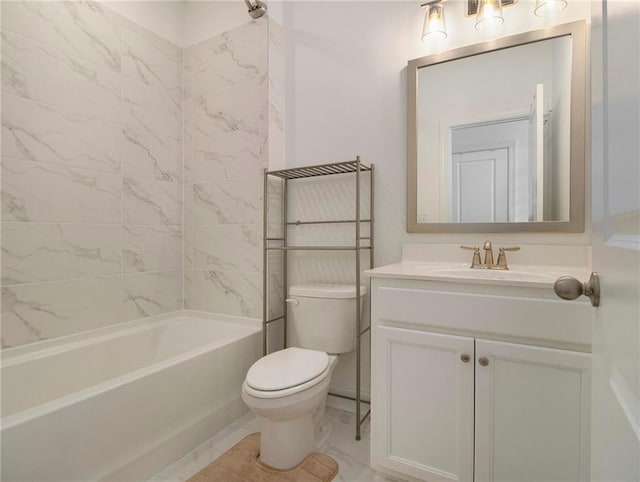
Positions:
{"x": 496, "y": 135}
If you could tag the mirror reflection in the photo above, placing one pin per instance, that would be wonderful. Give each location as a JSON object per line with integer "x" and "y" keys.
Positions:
{"x": 493, "y": 136}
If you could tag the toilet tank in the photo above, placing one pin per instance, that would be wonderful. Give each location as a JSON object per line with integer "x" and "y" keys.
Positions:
{"x": 325, "y": 316}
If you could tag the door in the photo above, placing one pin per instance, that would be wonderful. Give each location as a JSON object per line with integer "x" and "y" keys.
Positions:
{"x": 424, "y": 404}
{"x": 480, "y": 181}
{"x": 616, "y": 240}
{"x": 532, "y": 413}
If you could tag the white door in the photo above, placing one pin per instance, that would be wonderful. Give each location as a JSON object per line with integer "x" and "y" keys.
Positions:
{"x": 532, "y": 413}
{"x": 424, "y": 404}
{"x": 616, "y": 240}
{"x": 480, "y": 181}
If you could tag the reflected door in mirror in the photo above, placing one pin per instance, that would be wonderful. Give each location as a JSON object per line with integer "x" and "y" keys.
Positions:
{"x": 480, "y": 186}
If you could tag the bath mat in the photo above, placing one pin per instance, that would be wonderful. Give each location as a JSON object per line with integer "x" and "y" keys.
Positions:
{"x": 240, "y": 464}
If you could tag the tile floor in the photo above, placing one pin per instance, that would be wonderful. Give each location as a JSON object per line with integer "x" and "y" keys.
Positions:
{"x": 352, "y": 456}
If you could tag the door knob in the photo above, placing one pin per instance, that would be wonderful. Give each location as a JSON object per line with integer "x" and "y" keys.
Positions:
{"x": 483, "y": 361}
{"x": 569, "y": 288}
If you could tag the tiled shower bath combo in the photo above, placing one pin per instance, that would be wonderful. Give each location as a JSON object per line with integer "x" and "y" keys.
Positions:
{"x": 131, "y": 188}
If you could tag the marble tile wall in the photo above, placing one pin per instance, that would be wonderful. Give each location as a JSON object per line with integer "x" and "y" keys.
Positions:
{"x": 92, "y": 193}
{"x": 97, "y": 115}
{"x": 231, "y": 113}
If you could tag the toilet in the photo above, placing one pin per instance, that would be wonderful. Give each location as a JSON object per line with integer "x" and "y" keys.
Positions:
{"x": 288, "y": 388}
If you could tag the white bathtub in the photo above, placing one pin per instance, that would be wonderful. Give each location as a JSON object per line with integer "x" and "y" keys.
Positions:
{"x": 123, "y": 402}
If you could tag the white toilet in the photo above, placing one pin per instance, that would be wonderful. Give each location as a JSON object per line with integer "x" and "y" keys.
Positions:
{"x": 286, "y": 388}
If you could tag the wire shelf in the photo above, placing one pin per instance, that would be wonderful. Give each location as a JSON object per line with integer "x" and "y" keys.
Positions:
{"x": 315, "y": 248}
{"x": 346, "y": 167}
{"x": 349, "y": 167}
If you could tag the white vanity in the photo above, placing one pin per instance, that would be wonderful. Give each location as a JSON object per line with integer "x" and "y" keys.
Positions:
{"x": 480, "y": 375}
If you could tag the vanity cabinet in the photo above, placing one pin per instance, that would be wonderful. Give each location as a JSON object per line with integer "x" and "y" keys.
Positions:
{"x": 454, "y": 398}
{"x": 423, "y": 404}
{"x": 531, "y": 413}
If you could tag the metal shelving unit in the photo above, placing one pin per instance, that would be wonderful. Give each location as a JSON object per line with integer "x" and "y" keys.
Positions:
{"x": 287, "y": 175}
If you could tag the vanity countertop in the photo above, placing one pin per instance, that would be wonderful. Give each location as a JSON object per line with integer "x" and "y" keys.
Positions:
{"x": 517, "y": 275}
{"x": 534, "y": 266}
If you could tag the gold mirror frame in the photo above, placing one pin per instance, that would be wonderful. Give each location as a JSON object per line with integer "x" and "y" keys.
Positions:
{"x": 577, "y": 128}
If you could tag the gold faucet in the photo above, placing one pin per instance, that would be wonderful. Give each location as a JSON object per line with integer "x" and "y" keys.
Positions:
{"x": 488, "y": 255}
{"x": 488, "y": 263}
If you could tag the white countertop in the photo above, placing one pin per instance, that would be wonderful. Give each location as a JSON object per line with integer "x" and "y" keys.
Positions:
{"x": 523, "y": 275}
{"x": 533, "y": 266}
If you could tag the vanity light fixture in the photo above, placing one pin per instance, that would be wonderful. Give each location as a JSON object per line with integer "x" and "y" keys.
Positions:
{"x": 489, "y": 14}
{"x": 545, "y": 8}
{"x": 434, "y": 27}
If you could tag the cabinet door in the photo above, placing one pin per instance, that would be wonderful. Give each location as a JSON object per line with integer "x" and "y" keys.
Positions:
{"x": 532, "y": 413}
{"x": 422, "y": 404}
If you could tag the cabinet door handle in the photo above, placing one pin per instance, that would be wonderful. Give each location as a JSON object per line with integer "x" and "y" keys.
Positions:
{"x": 465, "y": 358}
{"x": 483, "y": 361}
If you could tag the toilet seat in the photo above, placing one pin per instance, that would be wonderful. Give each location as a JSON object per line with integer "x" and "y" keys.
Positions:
{"x": 286, "y": 372}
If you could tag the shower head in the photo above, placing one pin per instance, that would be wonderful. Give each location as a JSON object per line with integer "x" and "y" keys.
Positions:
{"x": 256, "y": 10}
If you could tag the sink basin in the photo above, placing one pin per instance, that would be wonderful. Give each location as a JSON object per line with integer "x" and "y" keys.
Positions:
{"x": 462, "y": 272}
{"x": 491, "y": 274}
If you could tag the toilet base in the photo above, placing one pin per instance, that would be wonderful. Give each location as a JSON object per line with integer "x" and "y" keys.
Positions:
{"x": 284, "y": 444}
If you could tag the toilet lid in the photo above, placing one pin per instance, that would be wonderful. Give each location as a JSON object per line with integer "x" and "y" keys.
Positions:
{"x": 286, "y": 368}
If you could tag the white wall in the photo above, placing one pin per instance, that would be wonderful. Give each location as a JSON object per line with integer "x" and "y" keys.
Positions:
{"x": 204, "y": 19}
{"x": 188, "y": 22}
{"x": 164, "y": 18}
{"x": 346, "y": 95}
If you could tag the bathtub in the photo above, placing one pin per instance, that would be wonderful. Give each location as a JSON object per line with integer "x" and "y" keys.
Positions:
{"x": 123, "y": 402}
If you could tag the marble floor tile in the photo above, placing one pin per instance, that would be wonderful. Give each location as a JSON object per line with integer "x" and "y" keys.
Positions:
{"x": 352, "y": 456}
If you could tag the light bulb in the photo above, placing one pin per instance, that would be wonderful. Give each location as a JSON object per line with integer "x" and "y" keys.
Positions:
{"x": 546, "y": 8}
{"x": 434, "y": 27}
{"x": 489, "y": 14}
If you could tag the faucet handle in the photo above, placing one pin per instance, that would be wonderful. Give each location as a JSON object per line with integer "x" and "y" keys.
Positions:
{"x": 475, "y": 262}
{"x": 502, "y": 257}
